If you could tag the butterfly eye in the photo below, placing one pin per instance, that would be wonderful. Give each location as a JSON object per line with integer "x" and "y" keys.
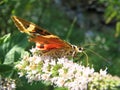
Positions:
{"x": 80, "y": 49}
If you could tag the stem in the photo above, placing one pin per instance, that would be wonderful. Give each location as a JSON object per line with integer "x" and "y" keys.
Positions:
{"x": 71, "y": 28}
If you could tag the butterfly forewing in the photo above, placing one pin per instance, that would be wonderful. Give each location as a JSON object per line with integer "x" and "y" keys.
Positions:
{"x": 29, "y": 27}
{"x": 49, "y": 44}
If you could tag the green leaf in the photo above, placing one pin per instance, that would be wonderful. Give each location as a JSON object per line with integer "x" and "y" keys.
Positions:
{"x": 60, "y": 88}
{"x": 5, "y": 38}
{"x": 4, "y": 68}
{"x": 12, "y": 47}
{"x": 13, "y": 55}
{"x": 117, "y": 33}
{"x": 111, "y": 16}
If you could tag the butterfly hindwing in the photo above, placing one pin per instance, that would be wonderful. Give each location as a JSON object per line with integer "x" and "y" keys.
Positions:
{"x": 49, "y": 42}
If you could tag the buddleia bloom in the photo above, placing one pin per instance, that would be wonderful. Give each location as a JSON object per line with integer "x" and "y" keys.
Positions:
{"x": 7, "y": 84}
{"x": 62, "y": 72}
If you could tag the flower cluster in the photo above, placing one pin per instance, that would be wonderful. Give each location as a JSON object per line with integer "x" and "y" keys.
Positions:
{"x": 62, "y": 72}
{"x": 7, "y": 84}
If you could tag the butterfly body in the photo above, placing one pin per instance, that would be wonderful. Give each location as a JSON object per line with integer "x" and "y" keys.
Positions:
{"x": 48, "y": 44}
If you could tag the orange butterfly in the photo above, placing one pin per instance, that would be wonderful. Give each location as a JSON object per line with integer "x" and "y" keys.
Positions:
{"x": 49, "y": 44}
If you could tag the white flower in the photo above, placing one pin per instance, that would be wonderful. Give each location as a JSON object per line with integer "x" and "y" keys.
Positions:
{"x": 45, "y": 77}
{"x": 37, "y": 60}
{"x": 27, "y": 68}
{"x": 88, "y": 71}
{"x": 33, "y": 50}
{"x": 60, "y": 72}
{"x": 60, "y": 82}
{"x": 7, "y": 83}
{"x": 54, "y": 79}
{"x": 53, "y": 62}
{"x": 103, "y": 72}
{"x": 21, "y": 74}
{"x": 13, "y": 85}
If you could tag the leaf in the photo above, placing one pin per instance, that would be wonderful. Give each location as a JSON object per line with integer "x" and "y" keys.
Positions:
{"x": 14, "y": 54}
{"x": 4, "y": 44}
{"x": 111, "y": 16}
{"x": 117, "y": 33}
{"x": 5, "y": 38}
{"x": 5, "y": 68}
{"x": 12, "y": 47}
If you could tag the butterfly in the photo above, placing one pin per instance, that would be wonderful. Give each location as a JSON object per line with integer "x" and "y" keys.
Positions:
{"x": 48, "y": 43}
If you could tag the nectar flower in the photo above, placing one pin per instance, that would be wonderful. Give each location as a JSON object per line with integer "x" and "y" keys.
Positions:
{"x": 62, "y": 72}
{"x": 7, "y": 84}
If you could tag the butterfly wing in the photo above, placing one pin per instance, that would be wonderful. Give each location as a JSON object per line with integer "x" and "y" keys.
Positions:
{"x": 49, "y": 42}
{"x": 29, "y": 27}
{"x": 44, "y": 40}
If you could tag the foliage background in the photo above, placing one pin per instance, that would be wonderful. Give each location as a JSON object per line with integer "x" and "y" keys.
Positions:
{"x": 81, "y": 22}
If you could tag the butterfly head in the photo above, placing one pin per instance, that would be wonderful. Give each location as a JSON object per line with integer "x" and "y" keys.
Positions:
{"x": 77, "y": 49}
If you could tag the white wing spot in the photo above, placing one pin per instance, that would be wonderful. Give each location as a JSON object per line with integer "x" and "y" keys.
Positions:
{"x": 31, "y": 27}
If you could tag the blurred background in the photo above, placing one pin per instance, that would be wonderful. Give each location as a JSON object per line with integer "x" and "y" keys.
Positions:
{"x": 92, "y": 24}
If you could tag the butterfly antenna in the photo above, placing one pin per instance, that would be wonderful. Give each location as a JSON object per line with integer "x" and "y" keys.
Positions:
{"x": 91, "y": 44}
{"x": 71, "y": 28}
{"x": 86, "y": 58}
{"x": 99, "y": 56}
